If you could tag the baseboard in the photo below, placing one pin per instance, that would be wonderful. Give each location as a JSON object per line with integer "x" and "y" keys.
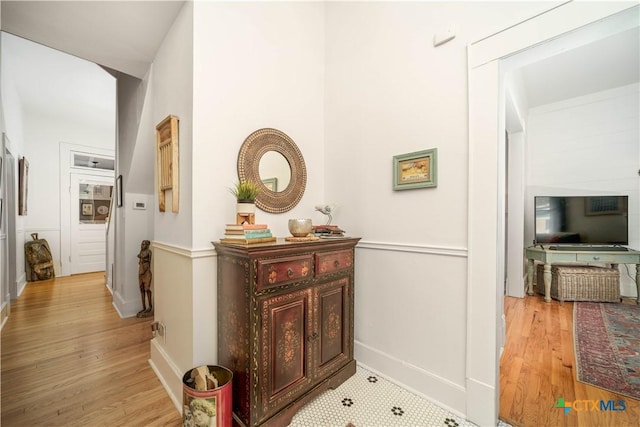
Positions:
{"x": 4, "y": 313}
{"x": 480, "y": 411}
{"x": 438, "y": 390}
{"x": 126, "y": 308}
{"x": 21, "y": 283}
{"x": 168, "y": 373}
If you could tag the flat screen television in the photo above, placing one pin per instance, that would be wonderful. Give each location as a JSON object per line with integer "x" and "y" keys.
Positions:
{"x": 588, "y": 220}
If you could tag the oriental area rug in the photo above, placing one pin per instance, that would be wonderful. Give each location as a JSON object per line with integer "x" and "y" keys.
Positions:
{"x": 607, "y": 346}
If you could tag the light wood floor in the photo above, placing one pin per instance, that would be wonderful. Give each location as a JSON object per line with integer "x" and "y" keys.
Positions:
{"x": 68, "y": 359}
{"x": 538, "y": 367}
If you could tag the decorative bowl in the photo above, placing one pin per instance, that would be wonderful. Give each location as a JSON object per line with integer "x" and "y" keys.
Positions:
{"x": 300, "y": 227}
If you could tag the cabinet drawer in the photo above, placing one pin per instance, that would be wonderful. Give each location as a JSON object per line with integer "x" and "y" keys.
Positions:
{"x": 331, "y": 262}
{"x": 614, "y": 258}
{"x": 279, "y": 271}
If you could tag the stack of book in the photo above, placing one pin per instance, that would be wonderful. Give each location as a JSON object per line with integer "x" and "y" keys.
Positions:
{"x": 245, "y": 234}
{"x": 328, "y": 231}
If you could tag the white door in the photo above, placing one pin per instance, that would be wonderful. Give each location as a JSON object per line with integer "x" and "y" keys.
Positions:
{"x": 90, "y": 200}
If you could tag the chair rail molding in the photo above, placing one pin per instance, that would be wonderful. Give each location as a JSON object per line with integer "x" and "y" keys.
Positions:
{"x": 413, "y": 248}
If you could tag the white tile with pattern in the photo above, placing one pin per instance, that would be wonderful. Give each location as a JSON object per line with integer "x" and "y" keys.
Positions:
{"x": 367, "y": 400}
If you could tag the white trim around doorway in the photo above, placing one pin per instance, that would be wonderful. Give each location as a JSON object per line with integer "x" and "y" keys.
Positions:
{"x": 66, "y": 167}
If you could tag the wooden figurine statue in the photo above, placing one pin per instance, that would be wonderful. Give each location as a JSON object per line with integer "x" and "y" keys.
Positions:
{"x": 144, "y": 279}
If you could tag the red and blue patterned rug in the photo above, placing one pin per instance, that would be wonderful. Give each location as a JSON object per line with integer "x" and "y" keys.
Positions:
{"x": 607, "y": 346}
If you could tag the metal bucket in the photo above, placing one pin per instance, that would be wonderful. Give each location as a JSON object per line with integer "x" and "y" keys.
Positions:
{"x": 208, "y": 408}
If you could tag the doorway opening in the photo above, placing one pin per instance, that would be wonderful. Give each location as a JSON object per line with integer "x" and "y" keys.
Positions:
{"x": 486, "y": 173}
{"x": 90, "y": 200}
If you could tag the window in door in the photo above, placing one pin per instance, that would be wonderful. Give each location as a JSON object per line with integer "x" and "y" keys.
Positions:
{"x": 93, "y": 203}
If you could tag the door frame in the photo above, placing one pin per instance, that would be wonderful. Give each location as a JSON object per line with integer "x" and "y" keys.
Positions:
{"x": 486, "y": 228}
{"x": 9, "y": 209}
{"x": 67, "y": 151}
{"x": 9, "y": 192}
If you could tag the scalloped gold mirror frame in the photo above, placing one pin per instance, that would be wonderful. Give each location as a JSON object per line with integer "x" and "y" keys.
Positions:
{"x": 252, "y": 150}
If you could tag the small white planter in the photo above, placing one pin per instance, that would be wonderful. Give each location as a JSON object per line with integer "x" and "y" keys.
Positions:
{"x": 245, "y": 208}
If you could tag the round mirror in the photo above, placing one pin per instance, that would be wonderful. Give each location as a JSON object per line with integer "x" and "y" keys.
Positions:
{"x": 271, "y": 159}
{"x": 275, "y": 171}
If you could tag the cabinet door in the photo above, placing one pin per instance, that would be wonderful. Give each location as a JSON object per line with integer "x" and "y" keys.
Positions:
{"x": 332, "y": 325}
{"x": 285, "y": 359}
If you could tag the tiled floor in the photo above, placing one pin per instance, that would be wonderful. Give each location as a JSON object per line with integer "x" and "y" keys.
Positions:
{"x": 367, "y": 400}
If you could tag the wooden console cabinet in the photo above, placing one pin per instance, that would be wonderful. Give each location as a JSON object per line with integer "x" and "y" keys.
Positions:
{"x": 285, "y": 324}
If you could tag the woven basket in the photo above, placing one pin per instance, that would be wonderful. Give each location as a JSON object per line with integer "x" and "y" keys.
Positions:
{"x": 581, "y": 283}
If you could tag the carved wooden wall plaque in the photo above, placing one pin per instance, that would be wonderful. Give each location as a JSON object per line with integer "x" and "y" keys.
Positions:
{"x": 168, "y": 171}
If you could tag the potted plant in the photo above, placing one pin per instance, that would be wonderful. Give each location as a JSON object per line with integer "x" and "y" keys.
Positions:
{"x": 245, "y": 193}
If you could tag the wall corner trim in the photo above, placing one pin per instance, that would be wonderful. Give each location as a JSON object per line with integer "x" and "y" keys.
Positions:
{"x": 185, "y": 252}
{"x": 167, "y": 373}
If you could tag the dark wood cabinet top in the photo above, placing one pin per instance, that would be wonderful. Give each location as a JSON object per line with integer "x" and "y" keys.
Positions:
{"x": 282, "y": 247}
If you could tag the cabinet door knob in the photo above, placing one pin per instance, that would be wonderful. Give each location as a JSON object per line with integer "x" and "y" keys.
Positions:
{"x": 289, "y": 272}
{"x": 596, "y": 258}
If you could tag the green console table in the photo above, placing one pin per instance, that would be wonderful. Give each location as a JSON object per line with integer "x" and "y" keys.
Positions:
{"x": 549, "y": 256}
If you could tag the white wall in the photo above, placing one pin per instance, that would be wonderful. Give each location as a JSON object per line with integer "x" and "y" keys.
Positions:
{"x": 515, "y": 124}
{"x": 36, "y": 132}
{"x": 172, "y": 94}
{"x": 10, "y": 98}
{"x": 256, "y": 65}
{"x": 136, "y": 144}
{"x": 587, "y": 145}
{"x": 515, "y": 271}
{"x": 4, "y": 258}
{"x": 43, "y": 133}
{"x": 13, "y": 119}
{"x": 4, "y": 285}
{"x": 389, "y": 92}
{"x": 170, "y": 91}
{"x": 355, "y": 83}
{"x": 135, "y": 162}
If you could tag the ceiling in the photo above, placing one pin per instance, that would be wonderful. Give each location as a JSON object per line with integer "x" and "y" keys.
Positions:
{"x": 122, "y": 35}
{"x": 604, "y": 64}
{"x": 48, "y": 83}
{"x": 126, "y": 35}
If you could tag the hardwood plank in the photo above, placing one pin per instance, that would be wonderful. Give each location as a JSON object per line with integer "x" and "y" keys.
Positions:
{"x": 69, "y": 359}
{"x": 538, "y": 366}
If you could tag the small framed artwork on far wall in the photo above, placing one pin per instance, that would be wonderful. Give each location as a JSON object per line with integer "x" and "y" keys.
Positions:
{"x": 415, "y": 170}
{"x": 23, "y": 184}
{"x": 119, "y": 195}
